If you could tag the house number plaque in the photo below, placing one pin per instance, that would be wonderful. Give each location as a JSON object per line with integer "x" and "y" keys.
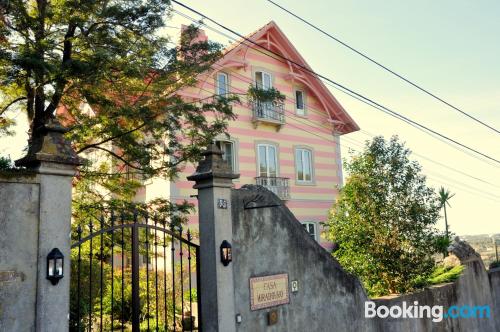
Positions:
{"x": 222, "y": 203}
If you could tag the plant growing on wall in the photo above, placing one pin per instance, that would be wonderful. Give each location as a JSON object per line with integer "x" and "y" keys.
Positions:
{"x": 265, "y": 95}
{"x": 383, "y": 221}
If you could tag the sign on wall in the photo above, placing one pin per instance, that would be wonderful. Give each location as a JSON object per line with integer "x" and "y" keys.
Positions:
{"x": 268, "y": 291}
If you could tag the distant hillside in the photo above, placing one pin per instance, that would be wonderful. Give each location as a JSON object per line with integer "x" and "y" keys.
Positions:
{"x": 484, "y": 245}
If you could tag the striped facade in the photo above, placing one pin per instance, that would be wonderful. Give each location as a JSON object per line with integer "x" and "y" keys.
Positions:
{"x": 317, "y": 130}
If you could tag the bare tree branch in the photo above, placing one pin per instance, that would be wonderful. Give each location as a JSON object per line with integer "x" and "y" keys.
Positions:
{"x": 11, "y": 103}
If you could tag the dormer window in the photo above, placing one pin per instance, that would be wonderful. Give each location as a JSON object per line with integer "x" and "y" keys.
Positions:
{"x": 299, "y": 103}
{"x": 222, "y": 84}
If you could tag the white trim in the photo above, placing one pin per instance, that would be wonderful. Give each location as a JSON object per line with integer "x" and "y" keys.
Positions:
{"x": 306, "y": 225}
{"x": 217, "y": 87}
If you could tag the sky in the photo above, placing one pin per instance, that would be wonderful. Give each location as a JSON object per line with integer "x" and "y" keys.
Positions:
{"x": 448, "y": 47}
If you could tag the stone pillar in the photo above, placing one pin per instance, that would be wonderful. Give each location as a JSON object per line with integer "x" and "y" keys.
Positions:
{"x": 214, "y": 182}
{"x": 55, "y": 162}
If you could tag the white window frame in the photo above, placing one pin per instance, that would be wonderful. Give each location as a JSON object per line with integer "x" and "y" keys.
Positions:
{"x": 263, "y": 73}
{"x": 300, "y": 111}
{"x": 306, "y": 225}
{"x": 233, "y": 155}
{"x": 276, "y": 158}
{"x": 311, "y": 164}
{"x": 217, "y": 84}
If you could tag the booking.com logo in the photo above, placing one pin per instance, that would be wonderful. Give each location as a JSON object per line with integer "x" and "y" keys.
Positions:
{"x": 437, "y": 312}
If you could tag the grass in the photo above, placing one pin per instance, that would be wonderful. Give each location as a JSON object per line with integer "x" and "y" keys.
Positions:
{"x": 445, "y": 274}
{"x": 440, "y": 275}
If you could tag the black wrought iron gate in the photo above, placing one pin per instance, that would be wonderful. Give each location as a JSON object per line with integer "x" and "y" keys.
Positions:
{"x": 134, "y": 273}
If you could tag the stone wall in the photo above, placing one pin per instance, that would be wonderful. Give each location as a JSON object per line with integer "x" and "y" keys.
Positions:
{"x": 19, "y": 213}
{"x": 472, "y": 289}
{"x": 268, "y": 240}
{"x": 494, "y": 276}
{"x": 278, "y": 278}
{"x": 35, "y": 217}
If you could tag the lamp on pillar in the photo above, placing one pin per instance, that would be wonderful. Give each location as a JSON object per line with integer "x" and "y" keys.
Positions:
{"x": 226, "y": 253}
{"x": 213, "y": 178}
{"x": 55, "y": 266}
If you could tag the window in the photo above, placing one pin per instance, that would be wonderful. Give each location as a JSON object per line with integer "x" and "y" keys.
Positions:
{"x": 299, "y": 102}
{"x": 268, "y": 165}
{"x": 263, "y": 80}
{"x": 228, "y": 156}
{"x": 310, "y": 227}
{"x": 303, "y": 165}
{"x": 222, "y": 84}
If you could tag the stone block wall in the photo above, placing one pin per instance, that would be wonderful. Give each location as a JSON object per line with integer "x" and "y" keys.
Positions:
{"x": 269, "y": 240}
{"x": 19, "y": 214}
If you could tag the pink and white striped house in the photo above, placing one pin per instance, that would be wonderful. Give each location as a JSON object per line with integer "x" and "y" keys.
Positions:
{"x": 291, "y": 148}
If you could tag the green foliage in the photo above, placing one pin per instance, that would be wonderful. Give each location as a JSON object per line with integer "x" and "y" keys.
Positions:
{"x": 444, "y": 197}
{"x": 265, "y": 95}
{"x": 445, "y": 274}
{"x": 440, "y": 275}
{"x": 383, "y": 219}
{"x": 5, "y": 163}
{"x": 442, "y": 242}
{"x": 115, "y": 80}
{"x": 494, "y": 265}
{"x": 113, "y": 305}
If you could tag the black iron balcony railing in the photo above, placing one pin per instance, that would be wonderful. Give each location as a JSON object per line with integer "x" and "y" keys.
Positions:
{"x": 277, "y": 185}
{"x": 268, "y": 111}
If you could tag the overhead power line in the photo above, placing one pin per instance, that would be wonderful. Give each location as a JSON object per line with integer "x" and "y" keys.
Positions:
{"x": 440, "y": 178}
{"x": 407, "y": 80}
{"x": 365, "y": 99}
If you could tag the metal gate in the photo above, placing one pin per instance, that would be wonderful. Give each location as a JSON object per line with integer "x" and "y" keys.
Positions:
{"x": 134, "y": 273}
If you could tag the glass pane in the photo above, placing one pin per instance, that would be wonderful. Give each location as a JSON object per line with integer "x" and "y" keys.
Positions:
{"x": 222, "y": 84}
{"x": 266, "y": 81}
{"x": 307, "y": 165}
{"x": 59, "y": 267}
{"x": 228, "y": 153}
{"x": 51, "y": 267}
{"x": 300, "y": 167}
{"x": 272, "y": 161}
{"x": 299, "y": 100}
{"x": 262, "y": 161}
{"x": 259, "y": 80}
{"x": 311, "y": 230}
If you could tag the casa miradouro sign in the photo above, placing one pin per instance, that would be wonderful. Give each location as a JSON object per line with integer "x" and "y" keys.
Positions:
{"x": 268, "y": 291}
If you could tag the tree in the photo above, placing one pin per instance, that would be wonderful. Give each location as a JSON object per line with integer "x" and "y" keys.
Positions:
{"x": 105, "y": 70}
{"x": 444, "y": 199}
{"x": 382, "y": 221}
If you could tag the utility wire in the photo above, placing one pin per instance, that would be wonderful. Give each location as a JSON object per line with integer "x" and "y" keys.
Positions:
{"x": 458, "y": 148}
{"x": 407, "y": 80}
{"x": 490, "y": 195}
{"x": 439, "y": 163}
{"x": 454, "y": 183}
{"x": 243, "y": 78}
{"x": 366, "y": 100}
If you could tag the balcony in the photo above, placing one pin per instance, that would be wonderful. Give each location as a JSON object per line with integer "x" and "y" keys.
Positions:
{"x": 277, "y": 185}
{"x": 270, "y": 112}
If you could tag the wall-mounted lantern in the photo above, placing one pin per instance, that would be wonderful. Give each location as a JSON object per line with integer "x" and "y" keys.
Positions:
{"x": 226, "y": 254}
{"x": 55, "y": 266}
